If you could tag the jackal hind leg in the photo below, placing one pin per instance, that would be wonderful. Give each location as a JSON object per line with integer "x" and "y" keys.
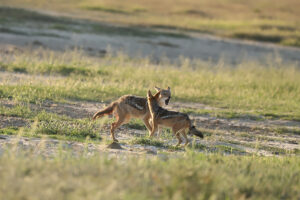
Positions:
{"x": 177, "y": 134}
{"x": 183, "y": 133}
{"x": 179, "y": 139}
{"x": 119, "y": 121}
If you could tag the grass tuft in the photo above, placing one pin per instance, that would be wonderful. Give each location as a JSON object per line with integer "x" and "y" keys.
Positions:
{"x": 147, "y": 141}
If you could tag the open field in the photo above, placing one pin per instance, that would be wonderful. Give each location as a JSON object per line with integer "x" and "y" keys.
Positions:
{"x": 260, "y": 20}
{"x": 57, "y": 71}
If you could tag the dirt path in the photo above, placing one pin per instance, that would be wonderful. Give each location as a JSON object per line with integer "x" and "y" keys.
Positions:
{"x": 50, "y": 147}
{"x": 138, "y": 42}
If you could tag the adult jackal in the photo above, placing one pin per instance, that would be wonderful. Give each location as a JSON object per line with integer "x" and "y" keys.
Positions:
{"x": 177, "y": 121}
{"x": 128, "y": 106}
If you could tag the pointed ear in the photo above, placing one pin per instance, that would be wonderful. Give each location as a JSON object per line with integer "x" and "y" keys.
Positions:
{"x": 157, "y": 89}
{"x": 149, "y": 94}
{"x": 169, "y": 88}
{"x": 157, "y": 94}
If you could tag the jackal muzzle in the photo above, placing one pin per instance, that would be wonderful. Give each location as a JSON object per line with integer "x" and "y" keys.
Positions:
{"x": 167, "y": 100}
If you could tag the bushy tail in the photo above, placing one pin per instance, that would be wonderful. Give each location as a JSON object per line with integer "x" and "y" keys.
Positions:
{"x": 196, "y": 132}
{"x": 106, "y": 111}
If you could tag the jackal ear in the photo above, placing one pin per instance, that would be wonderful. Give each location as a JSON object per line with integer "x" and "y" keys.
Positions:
{"x": 157, "y": 89}
{"x": 149, "y": 94}
{"x": 157, "y": 94}
{"x": 169, "y": 88}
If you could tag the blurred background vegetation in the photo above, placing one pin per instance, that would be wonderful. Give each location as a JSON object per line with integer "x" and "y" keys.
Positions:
{"x": 274, "y": 21}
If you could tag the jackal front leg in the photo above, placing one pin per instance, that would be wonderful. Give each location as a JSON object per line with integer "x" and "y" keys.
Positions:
{"x": 154, "y": 128}
{"x": 147, "y": 124}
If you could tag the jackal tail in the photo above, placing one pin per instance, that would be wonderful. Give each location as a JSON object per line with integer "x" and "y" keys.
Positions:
{"x": 196, "y": 132}
{"x": 106, "y": 111}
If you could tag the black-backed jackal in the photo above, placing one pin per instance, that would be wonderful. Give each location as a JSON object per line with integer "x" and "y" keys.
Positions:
{"x": 177, "y": 121}
{"x": 128, "y": 106}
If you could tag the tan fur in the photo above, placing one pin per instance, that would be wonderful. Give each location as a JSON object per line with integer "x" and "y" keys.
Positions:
{"x": 128, "y": 107}
{"x": 177, "y": 121}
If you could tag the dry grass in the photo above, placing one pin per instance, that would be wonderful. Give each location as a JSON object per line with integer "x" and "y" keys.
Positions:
{"x": 27, "y": 175}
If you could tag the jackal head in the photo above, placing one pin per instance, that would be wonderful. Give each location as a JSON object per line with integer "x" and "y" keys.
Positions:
{"x": 164, "y": 96}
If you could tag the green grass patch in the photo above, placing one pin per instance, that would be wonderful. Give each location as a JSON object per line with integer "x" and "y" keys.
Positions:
{"x": 148, "y": 141}
{"x": 9, "y": 30}
{"x": 26, "y": 132}
{"x": 17, "y": 111}
{"x": 53, "y": 69}
{"x": 9, "y": 131}
{"x": 76, "y": 128}
{"x": 274, "y": 150}
{"x": 221, "y": 149}
{"x": 278, "y": 115}
{"x": 9, "y": 14}
{"x": 280, "y": 130}
{"x": 133, "y": 31}
{"x": 136, "y": 124}
{"x": 259, "y": 37}
{"x": 229, "y": 150}
{"x": 106, "y": 9}
{"x": 58, "y": 126}
{"x": 223, "y": 113}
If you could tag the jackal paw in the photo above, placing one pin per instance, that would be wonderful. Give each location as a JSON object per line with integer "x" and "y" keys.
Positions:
{"x": 115, "y": 140}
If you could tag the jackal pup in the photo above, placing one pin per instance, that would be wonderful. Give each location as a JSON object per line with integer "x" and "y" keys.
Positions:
{"x": 128, "y": 106}
{"x": 177, "y": 121}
